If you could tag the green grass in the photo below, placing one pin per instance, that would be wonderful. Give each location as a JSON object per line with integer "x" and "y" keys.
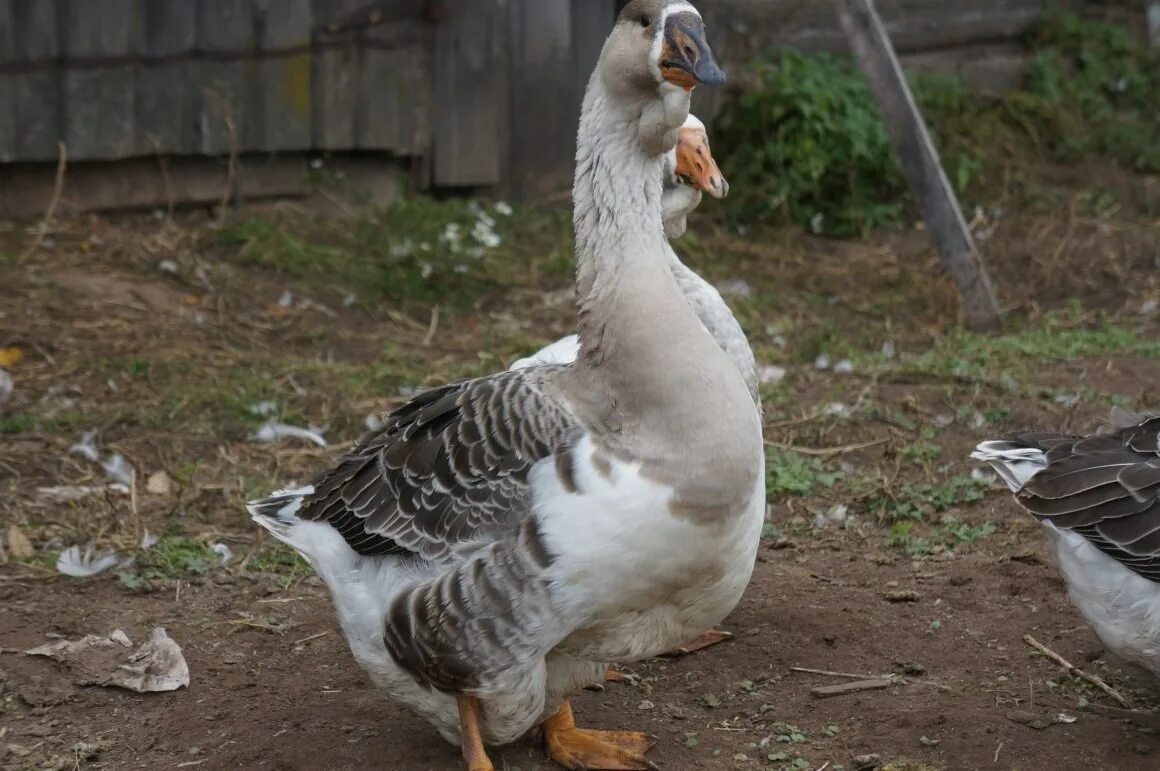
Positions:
{"x": 791, "y": 473}
{"x": 1054, "y": 338}
{"x": 916, "y": 541}
{"x": 918, "y": 502}
{"x": 806, "y": 145}
{"x": 421, "y": 250}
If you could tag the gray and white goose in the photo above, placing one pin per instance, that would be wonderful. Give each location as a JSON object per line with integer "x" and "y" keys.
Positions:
{"x": 689, "y": 171}
{"x": 1098, "y": 498}
{"x": 500, "y": 540}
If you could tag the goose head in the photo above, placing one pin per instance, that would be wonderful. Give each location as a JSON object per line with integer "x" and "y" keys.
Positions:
{"x": 691, "y": 162}
{"x": 658, "y": 47}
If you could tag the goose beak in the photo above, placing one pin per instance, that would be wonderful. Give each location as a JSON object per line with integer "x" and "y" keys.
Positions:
{"x": 695, "y": 164}
{"x": 686, "y": 59}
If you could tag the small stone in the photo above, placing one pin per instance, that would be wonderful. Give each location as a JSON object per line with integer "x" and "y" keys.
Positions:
{"x": 959, "y": 580}
{"x": 159, "y": 484}
{"x": 928, "y": 742}
{"x": 645, "y": 704}
{"x": 871, "y": 760}
{"x": 1029, "y": 719}
{"x": 710, "y": 701}
{"x": 902, "y": 595}
{"x": 910, "y": 667}
{"x": 18, "y": 544}
{"x": 676, "y": 712}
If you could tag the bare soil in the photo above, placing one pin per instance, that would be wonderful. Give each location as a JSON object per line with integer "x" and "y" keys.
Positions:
{"x": 163, "y": 365}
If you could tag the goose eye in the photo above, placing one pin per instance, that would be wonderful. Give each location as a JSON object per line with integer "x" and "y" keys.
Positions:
{"x": 645, "y": 21}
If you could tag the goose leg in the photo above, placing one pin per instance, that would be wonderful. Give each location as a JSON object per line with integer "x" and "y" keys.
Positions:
{"x": 711, "y": 637}
{"x": 615, "y": 675}
{"x": 581, "y": 748}
{"x": 472, "y": 743}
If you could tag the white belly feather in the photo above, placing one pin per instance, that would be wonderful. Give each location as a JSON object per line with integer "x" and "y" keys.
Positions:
{"x": 1122, "y": 607}
{"x": 634, "y": 579}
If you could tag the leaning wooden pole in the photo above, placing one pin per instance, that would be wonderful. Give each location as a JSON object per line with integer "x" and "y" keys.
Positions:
{"x": 919, "y": 160}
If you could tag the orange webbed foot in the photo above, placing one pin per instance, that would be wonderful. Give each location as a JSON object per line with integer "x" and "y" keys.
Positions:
{"x": 587, "y": 750}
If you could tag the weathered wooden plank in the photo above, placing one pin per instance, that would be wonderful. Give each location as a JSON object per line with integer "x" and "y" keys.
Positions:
{"x": 7, "y": 87}
{"x": 34, "y": 27}
{"x": 36, "y": 103}
{"x": 996, "y": 67}
{"x": 140, "y": 183}
{"x": 468, "y": 91}
{"x": 98, "y": 112}
{"x": 920, "y": 160}
{"x": 105, "y": 30}
{"x": 166, "y": 99}
{"x": 31, "y": 123}
{"x": 222, "y": 86}
{"x": 395, "y": 84}
{"x": 334, "y": 82}
{"x": 280, "y": 114}
{"x": 282, "y": 24}
{"x": 543, "y": 72}
{"x": 98, "y": 99}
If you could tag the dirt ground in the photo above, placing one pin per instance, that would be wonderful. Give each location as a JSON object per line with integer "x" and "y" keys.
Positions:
{"x": 927, "y": 575}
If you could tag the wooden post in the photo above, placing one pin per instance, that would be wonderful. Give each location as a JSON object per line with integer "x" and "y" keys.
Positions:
{"x": 919, "y": 160}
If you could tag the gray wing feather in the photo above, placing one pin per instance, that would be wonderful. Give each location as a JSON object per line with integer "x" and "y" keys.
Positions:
{"x": 447, "y": 469}
{"x": 1105, "y": 487}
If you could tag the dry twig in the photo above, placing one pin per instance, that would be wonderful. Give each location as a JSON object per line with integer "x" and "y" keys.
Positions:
{"x": 830, "y": 673}
{"x": 1075, "y": 671}
{"x": 50, "y": 212}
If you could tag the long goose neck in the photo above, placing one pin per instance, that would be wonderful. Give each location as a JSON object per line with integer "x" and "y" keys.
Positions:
{"x": 621, "y": 250}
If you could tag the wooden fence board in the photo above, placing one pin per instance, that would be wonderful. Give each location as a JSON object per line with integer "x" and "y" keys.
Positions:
{"x": 97, "y": 100}
{"x": 35, "y": 31}
{"x": 468, "y": 91}
{"x": 106, "y": 29}
{"x": 395, "y": 83}
{"x": 222, "y": 87}
{"x": 543, "y": 71}
{"x": 32, "y": 98}
{"x": 7, "y": 88}
{"x": 334, "y": 80}
{"x": 36, "y": 102}
{"x": 167, "y": 98}
{"x": 280, "y": 115}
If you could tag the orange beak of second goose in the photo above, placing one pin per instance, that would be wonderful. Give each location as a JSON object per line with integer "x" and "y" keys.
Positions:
{"x": 695, "y": 164}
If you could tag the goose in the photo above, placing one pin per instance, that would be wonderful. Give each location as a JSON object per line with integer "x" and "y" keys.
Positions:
{"x": 1098, "y": 498}
{"x": 498, "y": 541}
{"x": 689, "y": 169}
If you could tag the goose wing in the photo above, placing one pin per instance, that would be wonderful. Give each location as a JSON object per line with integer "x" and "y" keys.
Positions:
{"x": 447, "y": 469}
{"x": 1105, "y": 487}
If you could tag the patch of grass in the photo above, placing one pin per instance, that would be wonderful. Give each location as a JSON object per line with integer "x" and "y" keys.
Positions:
{"x": 791, "y": 473}
{"x": 27, "y": 423}
{"x": 277, "y": 558}
{"x": 917, "y": 502}
{"x": 915, "y": 540}
{"x": 805, "y": 144}
{"x": 960, "y": 353}
{"x": 1096, "y": 87}
{"x": 168, "y": 559}
{"x": 175, "y": 557}
{"x": 421, "y": 250}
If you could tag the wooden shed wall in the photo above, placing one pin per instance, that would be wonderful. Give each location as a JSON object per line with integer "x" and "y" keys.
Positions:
{"x": 118, "y": 78}
{"x": 484, "y": 92}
